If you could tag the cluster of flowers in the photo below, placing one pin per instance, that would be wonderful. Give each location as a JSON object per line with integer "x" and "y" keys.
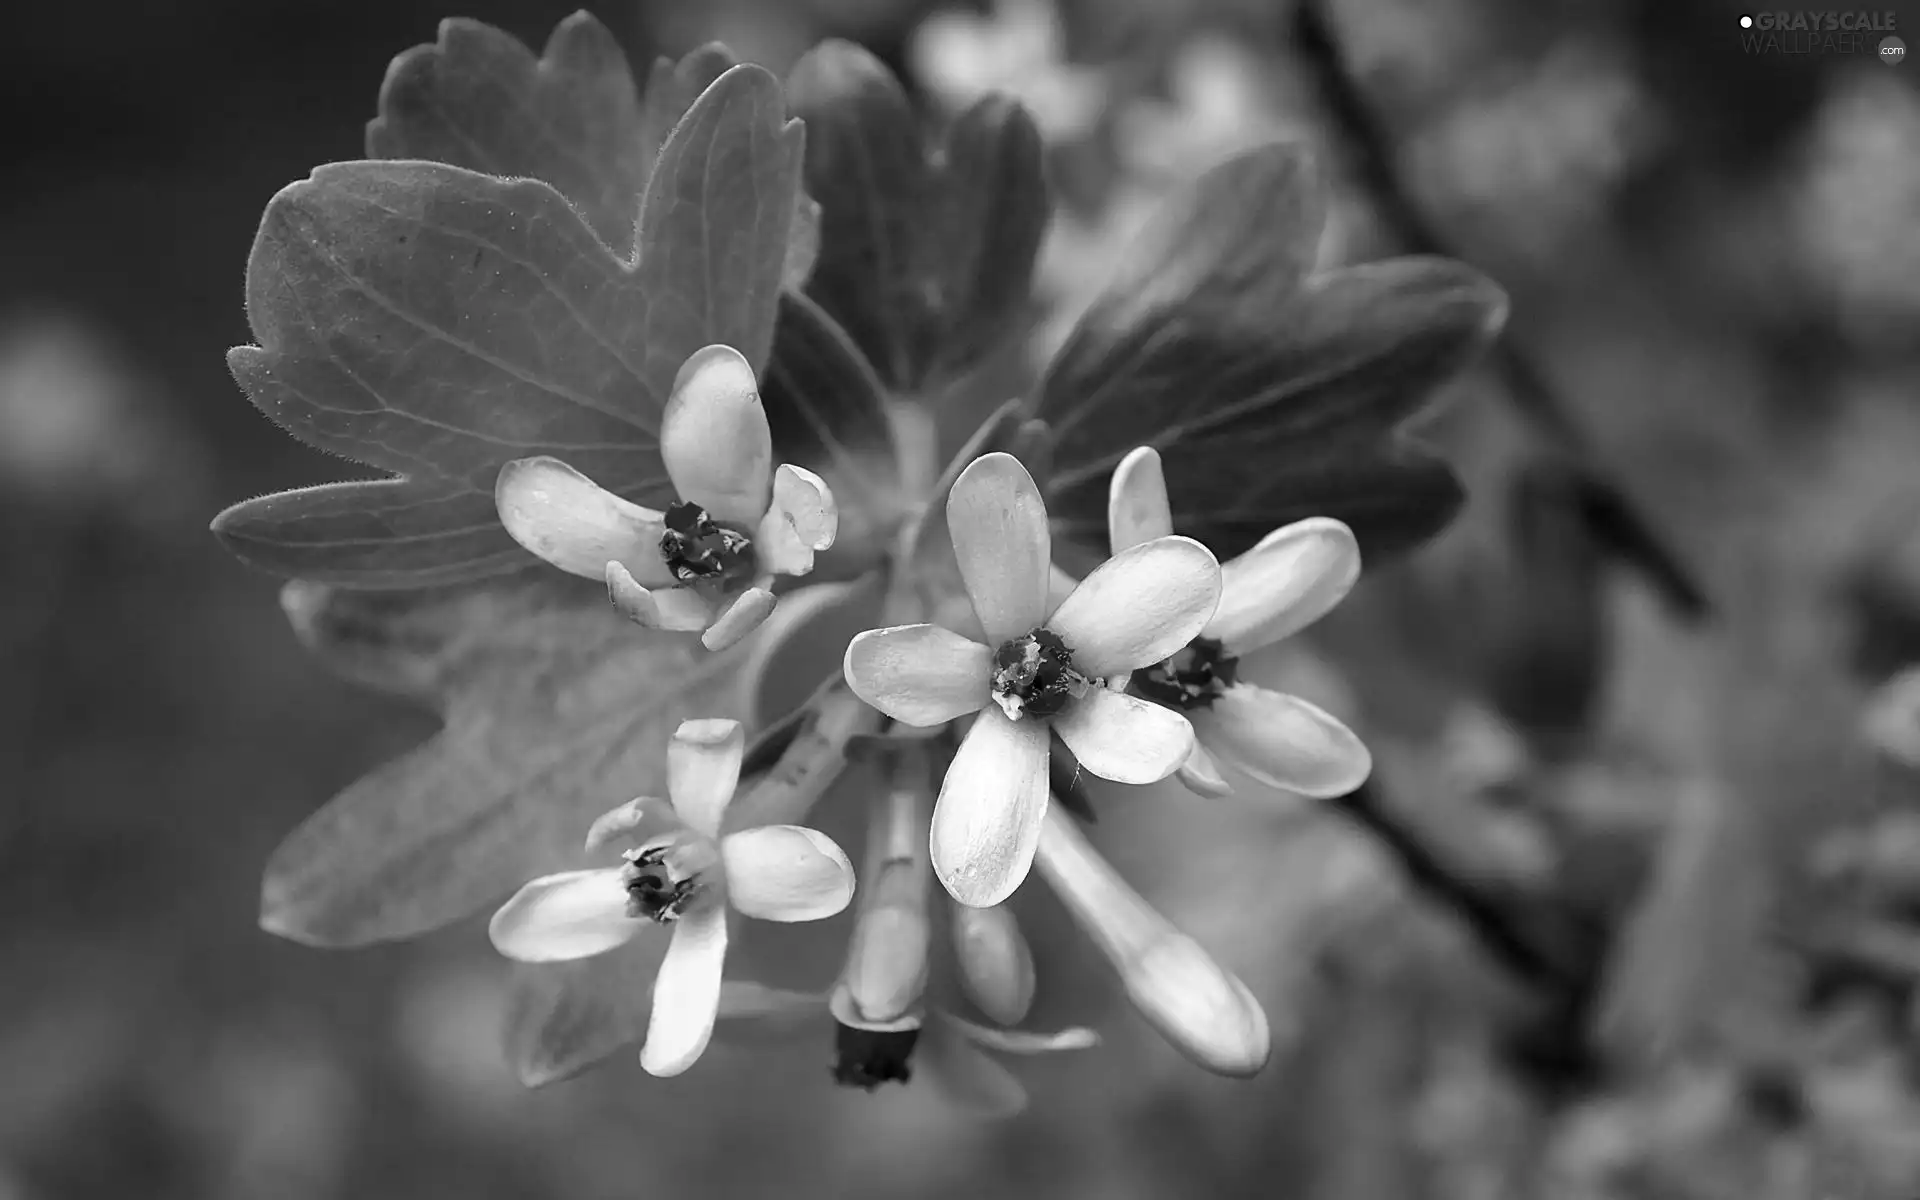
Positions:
{"x": 1132, "y": 668}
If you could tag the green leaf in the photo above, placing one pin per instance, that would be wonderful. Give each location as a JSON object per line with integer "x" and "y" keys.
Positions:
{"x": 827, "y": 413}
{"x": 478, "y": 98}
{"x": 438, "y": 323}
{"x": 1272, "y": 394}
{"x": 926, "y": 245}
{"x": 556, "y": 709}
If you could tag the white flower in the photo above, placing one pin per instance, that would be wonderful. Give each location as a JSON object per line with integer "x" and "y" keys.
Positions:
{"x": 1292, "y": 578}
{"x": 1044, "y": 668}
{"x": 884, "y": 1029}
{"x": 684, "y": 874}
{"x": 707, "y": 562}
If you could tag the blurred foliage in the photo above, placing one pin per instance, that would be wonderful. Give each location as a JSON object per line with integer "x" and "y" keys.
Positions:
{"x": 1712, "y": 267}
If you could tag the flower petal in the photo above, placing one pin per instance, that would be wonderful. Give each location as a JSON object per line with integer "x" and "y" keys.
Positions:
{"x": 575, "y": 524}
{"x": 806, "y": 502}
{"x": 1124, "y": 738}
{"x": 686, "y": 993}
{"x": 919, "y": 674}
{"x": 703, "y": 769}
{"x": 1139, "y": 607}
{"x": 638, "y": 819}
{"x": 1060, "y": 585}
{"x": 1202, "y": 774}
{"x": 986, "y": 822}
{"x": 1137, "y": 506}
{"x": 1000, "y": 539}
{"x": 802, "y": 520}
{"x": 681, "y": 610}
{"x": 1024, "y": 1042}
{"x": 749, "y": 610}
{"x": 714, "y": 437}
{"x": 1290, "y": 579}
{"x": 575, "y": 914}
{"x": 1284, "y": 742}
{"x": 786, "y": 873}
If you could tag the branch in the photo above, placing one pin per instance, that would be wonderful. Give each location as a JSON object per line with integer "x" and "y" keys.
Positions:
{"x": 1518, "y": 931}
{"x": 1613, "y": 520}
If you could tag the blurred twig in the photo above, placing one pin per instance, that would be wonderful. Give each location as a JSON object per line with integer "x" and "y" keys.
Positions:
{"x": 1544, "y": 945}
{"x": 1613, "y": 520}
{"x": 1493, "y": 922}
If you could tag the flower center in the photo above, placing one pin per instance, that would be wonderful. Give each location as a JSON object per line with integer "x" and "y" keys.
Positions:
{"x": 1192, "y": 678}
{"x": 658, "y": 887}
{"x": 1033, "y": 675}
{"x": 867, "y": 1058}
{"x": 699, "y": 550}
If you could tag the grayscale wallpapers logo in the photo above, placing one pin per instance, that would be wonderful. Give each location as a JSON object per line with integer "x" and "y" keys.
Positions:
{"x": 1823, "y": 32}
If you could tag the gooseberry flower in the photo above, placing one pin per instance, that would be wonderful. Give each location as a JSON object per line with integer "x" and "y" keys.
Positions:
{"x": 681, "y": 873}
{"x": 1290, "y": 579}
{"x": 706, "y": 563}
{"x": 1043, "y": 668}
{"x": 884, "y": 1028}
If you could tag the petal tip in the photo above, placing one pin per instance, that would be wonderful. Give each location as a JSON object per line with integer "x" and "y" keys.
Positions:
{"x": 747, "y": 613}
{"x": 709, "y": 731}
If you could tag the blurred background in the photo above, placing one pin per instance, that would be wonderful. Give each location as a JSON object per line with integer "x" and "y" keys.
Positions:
{"x": 1630, "y": 913}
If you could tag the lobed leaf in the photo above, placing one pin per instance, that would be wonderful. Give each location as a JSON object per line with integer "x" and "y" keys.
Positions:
{"x": 927, "y": 246}
{"x": 437, "y": 323}
{"x": 573, "y": 117}
{"x": 1271, "y": 393}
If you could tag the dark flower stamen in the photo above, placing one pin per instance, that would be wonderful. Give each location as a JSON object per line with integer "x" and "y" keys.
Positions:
{"x": 867, "y": 1058}
{"x": 698, "y": 550}
{"x": 1033, "y": 675}
{"x": 652, "y": 891}
{"x": 1191, "y": 679}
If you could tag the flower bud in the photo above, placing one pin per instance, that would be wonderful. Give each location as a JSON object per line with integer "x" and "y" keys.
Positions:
{"x": 1198, "y": 1006}
{"x": 886, "y": 972}
{"x": 996, "y": 965}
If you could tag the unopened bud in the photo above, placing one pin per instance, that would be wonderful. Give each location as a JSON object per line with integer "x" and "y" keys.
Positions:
{"x": 886, "y": 972}
{"x": 996, "y": 965}
{"x": 1197, "y": 1005}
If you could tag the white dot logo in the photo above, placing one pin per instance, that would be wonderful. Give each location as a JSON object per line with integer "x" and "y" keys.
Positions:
{"x": 1893, "y": 51}
{"x": 1746, "y": 22}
